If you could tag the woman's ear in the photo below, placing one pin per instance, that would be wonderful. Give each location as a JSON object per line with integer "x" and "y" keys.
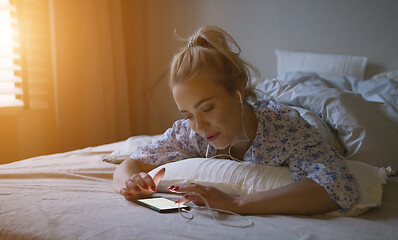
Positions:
{"x": 242, "y": 90}
{"x": 240, "y": 96}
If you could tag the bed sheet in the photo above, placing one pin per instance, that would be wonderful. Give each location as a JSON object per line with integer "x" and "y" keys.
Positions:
{"x": 69, "y": 196}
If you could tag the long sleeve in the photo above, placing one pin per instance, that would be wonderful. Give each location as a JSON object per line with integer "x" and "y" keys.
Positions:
{"x": 325, "y": 166}
{"x": 177, "y": 143}
{"x": 285, "y": 138}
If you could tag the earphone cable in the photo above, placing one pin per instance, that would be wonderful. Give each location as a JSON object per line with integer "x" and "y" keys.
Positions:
{"x": 210, "y": 211}
{"x": 230, "y": 147}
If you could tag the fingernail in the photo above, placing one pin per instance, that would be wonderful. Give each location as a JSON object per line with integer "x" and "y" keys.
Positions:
{"x": 177, "y": 201}
{"x": 138, "y": 189}
{"x": 173, "y": 188}
{"x": 146, "y": 187}
{"x": 153, "y": 189}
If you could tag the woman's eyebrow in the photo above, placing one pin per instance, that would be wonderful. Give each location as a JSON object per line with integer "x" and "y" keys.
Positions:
{"x": 202, "y": 101}
{"x": 199, "y": 103}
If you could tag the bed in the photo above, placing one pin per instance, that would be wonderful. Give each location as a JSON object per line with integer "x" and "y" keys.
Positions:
{"x": 69, "y": 195}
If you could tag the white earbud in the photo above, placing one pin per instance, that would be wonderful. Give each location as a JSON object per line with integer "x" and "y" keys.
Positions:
{"x": 240, "y": 97}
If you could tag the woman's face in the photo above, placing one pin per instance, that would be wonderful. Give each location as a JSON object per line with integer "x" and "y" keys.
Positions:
{"x": 210, "y": 110}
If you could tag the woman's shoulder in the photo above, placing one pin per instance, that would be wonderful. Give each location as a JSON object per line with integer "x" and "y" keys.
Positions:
{"x": 185, "y": 137}
{"x": 273, "y": 107}
{"x": 181, "y": 129}
{"x": 181, "y": 125}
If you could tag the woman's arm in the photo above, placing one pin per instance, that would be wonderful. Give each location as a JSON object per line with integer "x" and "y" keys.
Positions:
{"x": 303, "y": 197}
{"x": 131, "y": 179}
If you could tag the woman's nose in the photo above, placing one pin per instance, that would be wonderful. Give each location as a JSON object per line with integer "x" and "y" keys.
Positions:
{"x": 201, "y": 124}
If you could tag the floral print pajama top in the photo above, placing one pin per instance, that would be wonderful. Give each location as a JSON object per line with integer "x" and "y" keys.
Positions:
{"x": 283, "y": 138}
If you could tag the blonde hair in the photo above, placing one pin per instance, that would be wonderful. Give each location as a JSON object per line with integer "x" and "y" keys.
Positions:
{"x": 212, "y": 52}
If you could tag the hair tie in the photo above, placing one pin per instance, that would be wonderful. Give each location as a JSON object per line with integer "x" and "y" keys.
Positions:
{"x": 191, "y": 43}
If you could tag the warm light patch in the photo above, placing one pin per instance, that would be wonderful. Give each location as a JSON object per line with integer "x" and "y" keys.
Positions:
{"x": 8, "y": 89}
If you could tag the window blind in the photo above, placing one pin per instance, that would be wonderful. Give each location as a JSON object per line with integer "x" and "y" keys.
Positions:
{"x": 36, "y": 59}
{"x": 11, "y": 87}
{"x": 29, "y": 80}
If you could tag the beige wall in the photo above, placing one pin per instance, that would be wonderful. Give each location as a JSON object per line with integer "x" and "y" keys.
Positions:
{"x": 27, "y": 133}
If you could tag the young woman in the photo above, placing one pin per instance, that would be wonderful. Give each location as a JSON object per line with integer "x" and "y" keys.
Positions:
{"x": 211, "y": 87}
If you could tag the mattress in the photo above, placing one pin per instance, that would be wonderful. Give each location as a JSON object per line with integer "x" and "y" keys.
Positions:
{"x": 69, "y": 196}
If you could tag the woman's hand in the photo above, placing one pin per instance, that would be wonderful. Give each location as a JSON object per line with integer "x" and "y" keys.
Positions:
{"x": 141, "y": 185}
{"x": 301, "y": 197}
{"x": 214, "y": 197}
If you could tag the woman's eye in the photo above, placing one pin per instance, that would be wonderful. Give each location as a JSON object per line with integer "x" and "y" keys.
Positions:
{"x": 187, "y": 117}
{"x": 208, "y": 109}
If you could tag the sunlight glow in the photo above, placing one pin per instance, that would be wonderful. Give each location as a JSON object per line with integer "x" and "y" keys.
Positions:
{"x": 6, "y": 55}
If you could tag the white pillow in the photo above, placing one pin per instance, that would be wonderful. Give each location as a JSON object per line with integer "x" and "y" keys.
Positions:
{"x": 327, "y": 65}
{"x": 393, "y": 75}
{"x": 242, "y": 178}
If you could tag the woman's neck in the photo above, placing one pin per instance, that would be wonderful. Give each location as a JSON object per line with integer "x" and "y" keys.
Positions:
{"x": 249, "y": 132}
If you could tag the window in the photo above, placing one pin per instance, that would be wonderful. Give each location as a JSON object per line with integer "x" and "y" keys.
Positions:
{"x": 11, "y": 90}
{"x": 25, "y": 55}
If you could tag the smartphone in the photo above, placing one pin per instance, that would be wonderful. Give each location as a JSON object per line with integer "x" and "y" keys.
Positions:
{"x": 161, "y": 205}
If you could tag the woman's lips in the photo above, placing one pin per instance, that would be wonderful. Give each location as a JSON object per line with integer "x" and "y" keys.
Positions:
{"x": 212, "y": 137}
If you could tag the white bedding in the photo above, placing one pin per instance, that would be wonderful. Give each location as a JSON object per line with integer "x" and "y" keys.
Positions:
{"x": 69, "y": 196}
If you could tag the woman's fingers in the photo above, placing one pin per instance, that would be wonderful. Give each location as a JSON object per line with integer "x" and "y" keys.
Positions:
{"x": 141, "y": 185}
{"x": 135, "y": 183}
{"x": 158, "y": 176}
{"x": 147, "y": 182}
{"x": 192, "y": 197}
{"x": 195, "y": 193}
{"x": 126, "y": 194}
{"x": 190, "y": 187}
{"x": 200, "y": 195}
{"x": 140, "y": 182}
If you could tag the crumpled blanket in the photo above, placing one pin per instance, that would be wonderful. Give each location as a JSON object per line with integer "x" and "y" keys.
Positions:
{"x": 363, "y": 112}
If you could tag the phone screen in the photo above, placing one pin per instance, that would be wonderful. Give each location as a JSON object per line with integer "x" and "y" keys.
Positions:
{"x": 162, "y": 205}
